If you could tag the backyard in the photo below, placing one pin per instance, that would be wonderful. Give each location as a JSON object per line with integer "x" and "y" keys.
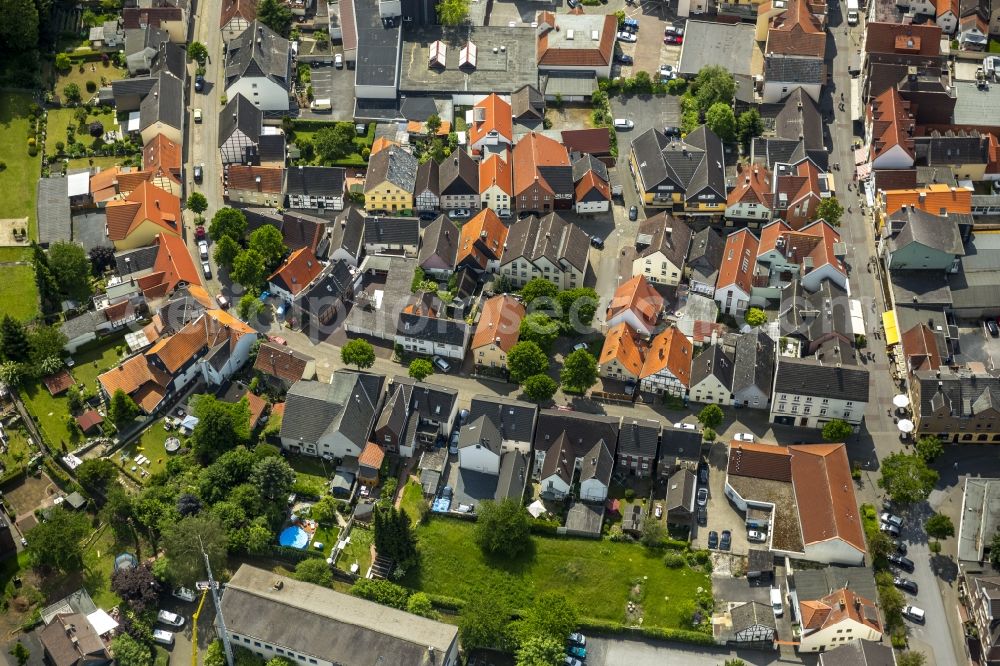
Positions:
{"x": 599, "y": 576}
{"x": 50, "y": 411}
{"x": 18, "y": 450}
{"x": 98, "y": 72}
{"x": 57, "y": 122}
{"x": 311, "y": 474}
{"x": 18, "y": 178}
{"x": 358, "y": 550}
{"x": 151, "y": 445}
{"x": 18, "y": 292}
{"x": 307, "y": 130}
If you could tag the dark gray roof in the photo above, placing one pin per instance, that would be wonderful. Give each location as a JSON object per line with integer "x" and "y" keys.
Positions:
{"x": 598, "y": 462}
{"x": 667, "y": 234}
{"x": 932, "y": 231}
{"x": 804, "y": 376}
{"x": 705, "y": 255}
{"x": 681, "y": 490}
{"x": 550, "y": 237}
{"x": 319, "y": 181}
{"x": 952, "y": 148}
{"x": 639, "y": 437}
{"x": 258, "y": 52}
{"x": 514, "y": 418}
{"x": 83, "y": 324}
{"x": 430, "y": 401}
{"x": 693, "y": 165}
{"x": 754, "y": 362}
{"x": 379, "y": 42}
{"x": 797, "y": 117}
{"x": 392, "y": 230}
{"x": 771, "y": 151}
{"x": 171, "y": 58}
{"x": 439, "y": 330}
{"x": 52, "y": 210}
{"x": 480, "y": 432}
{"x": 240, "y": 113}
{"x": 271, "y": 148}
{"x": 587, "y": 163}
{"x": 752, "y": 614}
{"x": 918, "y": 286}
{"x": 347, "y": 405}
{"x": 320, "y": 622}
{"x": 786, "y": 69}
{"x": 135, "y": 261}
{"x": 527, "y": 102}
{"x": 961, "y": 394}
{"x": 760, "y": 560}
{"x": 298, "y": 229}
{"x": 713, "y": 360}
{"x": 513, "y": 476}
{"x": 678, "y": 445}
{"x": 578, "y": 435}
{"x": 459, "y": 174}
{"x": 813, "y": 584}
{"x": 333, "y": 283}
{"x": 440, "y": 239}
{"x": 123, "y": 88}
{"x": 348, "y": 232}
{"x": 395, "y": 411}
{"x": 164, "y": 103}
{"x": 417, "y": 109}
{"x": 814, "y": 315}
{"x": 427, "y": 178}
{"x": 394, "y": 165}
{"x": 858, "y": 653}
{"x": 559, "y": 178}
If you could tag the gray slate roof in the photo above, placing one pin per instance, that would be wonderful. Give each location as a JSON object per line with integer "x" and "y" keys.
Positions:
{"x": 394, "y": 165}
{"x": 83, "y": 324}
{"x": 459, "y": 175}
{"x": 693, "y": 165}
{"x": 681, "y": 491}
{"x": 347, "y": 404}
{"x": 587, "y": 163}
{"x": 240, "y": 113}
{"x": 427, "y": 178}
{"x": 570, "y": 436}
{"x": 550, "y": 237}
{"x": 527, "y": 102}
{"x": 348, "y": 232}
{"x": 317, "y": 621}
{"x": 135, "y": 261}
{"x": 933, "y": 231}
{"x": 440, "y": 239}
{"x": 439, "y": 330}
{"x": 754, "y": 362}
{"x": 787, "y": 69}
{"x": 705, "y": 255}
{"x": 957, "y": 394}
{"x": 952, "y": 148}
{"x": 639, "y": 437}
{"x": 804, "y": 376}
{"x": 258, "y": 52}
{"x": 429, "y": 401}
{"x": 713, "y": 360}
{"x": 52, "y": 210}
{"x": 480, "y": 432}
{"x": 514, "y": 418}
{"x": 392, "y": 230}
{"x": 334, "y": 282}
{"x": 678, "y": 445}
{"x": 317, "y": 181}
{"x": 667, "y": 234}
{"x": 752, "y": 614}
{"x": 164, "y": 103}
{"x": 858, "y": 653}
{"x": 813, "y": 315}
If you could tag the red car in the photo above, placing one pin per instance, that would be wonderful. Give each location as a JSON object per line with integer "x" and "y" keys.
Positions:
{"x": 278, "y": 340}
{"x": 199, "y": 232}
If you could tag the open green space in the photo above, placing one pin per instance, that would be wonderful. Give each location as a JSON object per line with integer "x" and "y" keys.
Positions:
{"x": 11, "y": 254}
{"x": 151, "y": 445}
{"x": 17, "y": 180}
{"x": 307, "y": 130}
{"x": 52, "y": 412}
{"x": 597, "y": 576}
{"x": 358, "y": 550}
{"x": 311, "y": 473}
{"x": 19, "y": 451}
{"x": 412, "y": 500}
{"x": 326, "y": 535}
{"x": 18, "y": 291}
{"x": 87, "y": 162}
{"x": 101, "y": 74}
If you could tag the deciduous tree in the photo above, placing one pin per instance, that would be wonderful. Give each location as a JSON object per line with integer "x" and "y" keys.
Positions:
{"x": 906, "y": 478}
{"x": 137, "y": 587}
{"x": 538, "y": 288}
{"x": 452, "y": 12}
{"x": 184, "y": 541}
{"x": 130, "y": 652}
{"x": 227, "y": 222}
{"x": 720, "y": 119}
{"x": 46, "y": 343}
{"x": 97, "y": 473}
{"x": 333, "y": 143}
{"x": 269, "y": 242}
{"x": 56, "y": 542}
{"x": 829, "y": 209}
{"x": 837, "y": 430}
{"x": 539, "y": 328}
{"x": 274, "y": 477}
{"x": 750, "y": 126}
{"x": 711, "y": 416}
{"x": 359, "y": 353}
{"x": 226, "y": 251}
{"x": 221, "y": 426}
{"x": 579, "y": 371}
{"x": 539, "y": 387}
{"x": 755, "y": 317}
{"x": 197, "y": 203}
{"x": 420, "y": 369}
{"x": 929, "y": 447}
{"x": 503, "y": 528}
{"x": 197, "y": 52}
{"x": 526, "y": 359}
{"x": 714, "y": 85}
{"x": 122, "y": 409}
{"x": 484, "y": 620}
{"x": 540, "y": 651}
{"x": 275, "y": 15}
{"x": 939, "y": 526}
{"x": 314, "y": 570}
{"x": 249, "y": 269}
{"x": 71, "y": 270}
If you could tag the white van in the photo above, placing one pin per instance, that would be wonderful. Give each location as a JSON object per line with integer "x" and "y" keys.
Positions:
{"x": 776, "y": 602}
{"x": 322, "y": 104}
{"x": 914, "y": 613}
{"x": 624, "y": 124}
{"x": 163, "y": 637}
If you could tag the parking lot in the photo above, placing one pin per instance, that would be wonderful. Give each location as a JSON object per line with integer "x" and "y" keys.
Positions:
{"x": 722, "y": 515}
{"x": 649, "y": 51}
{"x": 616, "y": 651}
{"x": 334, "y": 84}
{"x": 646, "y": 112}
{"x": 977, "y": 345}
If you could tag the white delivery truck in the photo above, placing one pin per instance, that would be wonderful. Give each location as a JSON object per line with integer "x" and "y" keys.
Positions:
{"x": 322, "y": 104}
{"x": 852, "y": 12}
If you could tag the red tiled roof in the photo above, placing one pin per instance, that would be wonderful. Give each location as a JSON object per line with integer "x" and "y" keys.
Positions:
{"x": 246, "y": 9}
{"x": 824, "y": 492}
{"x": 256, "y": 178}
{"x": 577, "y": 57}
{"x": 595, "y": 141}
{"x": 499, "y": 323}
{"x": 89, "y": 419}
{"x": 173, "y": 265}
{"x": 281, "y": 362}
{"x": 739, "y": 258}
{"x": 837, "y": 607}
{"x": 622, "y": 344}
{"x": 760, "y": 461}
{"x": 794, "y": 32}
{"x": 532, "y": 151}
{"x": 892, "y": 123}
{"x": 161, "y": 155}
{"x": 495, "y": 170}
{"x": 213, "y": 328}
{"x": 638, "y": 296}
{"x": 753, "y": 185}
{"x": 139, "y": 379}
{"x": 934, "y": 198}
{"x": 59, "y": 382}
{"x": 916, "y": 39}
{"x": 672, "y": 350}
{"x": 257, "y": 406}
{"x": 920, "y": 349}
{"x": 483, "y": 234}
{"x": 372, "y": 456}
{"x": 301, "y": 268}
{"x": 497, "y": 118}
{"x": 146, "y": 202}
{"x": 802, "y": 193}
{"x": 590, "y": 182}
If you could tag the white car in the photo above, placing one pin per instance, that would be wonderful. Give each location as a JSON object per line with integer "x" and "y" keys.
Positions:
{"x": 743, "y": 437}
{"x": 684, "y": 426}
{"x": 623, "y": 124}
{"x": 203, "y": 250}
{"x": 892, "y": 519}
{"x": 184, "y": 594}
{"x": 756, "y": 536}
{"x": 173, "y": 619}
{"x": 580, "y": 345}
{"x": 459, "y": 213}
{"x": 625, "y": 36}
{"x": 197, "y": 115}
{"x": 163, "y": 637}
{"x": 702, "y": 496}
{"x": 667, "y": 72}
{"x": 207, "y": 270}
{"x": 914, "y": 613}
{"x": 338, "y": 61}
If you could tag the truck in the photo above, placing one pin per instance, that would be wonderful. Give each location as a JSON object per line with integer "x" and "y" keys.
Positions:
{"x": 852, "y": 12}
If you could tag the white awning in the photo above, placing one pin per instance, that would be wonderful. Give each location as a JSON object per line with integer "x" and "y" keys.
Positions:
{"x": 133, "y": 122}
{"x": 101, "y": 622}
{"x": 78, "y": 184}
{"x": 536, "y": 508}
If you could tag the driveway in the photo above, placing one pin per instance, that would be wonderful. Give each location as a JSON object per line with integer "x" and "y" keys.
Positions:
{"x": 617, "y": 651}
{"x": 646, "y": 111}
{"x": 334, "y": 84}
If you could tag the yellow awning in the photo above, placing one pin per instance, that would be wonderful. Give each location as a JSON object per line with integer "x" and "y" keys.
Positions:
{"x": 891, "y": 329}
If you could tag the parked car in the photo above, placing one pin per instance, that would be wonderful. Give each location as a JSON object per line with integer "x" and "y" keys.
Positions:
{"x": 184, "y": 594}
{"x": 197, "y": 115}
{"x": 427, "y": 215}
{"x": 597, "y": 242}
{"x": 702, "y": 516}
{"x": 667, "y": 72}
{"x": 624, "y": 59}
{"x": 685, "y": 426}
{"x": 725, "y": 540}
{"x": 623, "y": 124}
{"x": 673, "y": 39}
{"x": 631, "y": 23}
{"x": 576, "y": 638}
{"x": 905, "y": 584}
{"x": 173, "y": 619}
{"x": 713, "y": 539}
{"x": 887, "y": 517}
{"x": 703, "y": 472}
{"x": 756, "y": 536}
{"x": 904, "y": 563}
{"x": 278, "y": 340}
{"x": 453, "y": 443}
{"x": 441, "y": 364}
{"x": 913, "y": 613}
{"x": 571, "y": 661}
{"x": 163, "y": 637}
{"x": 671, "y": 130}
{"x": 900, "y": 546}
{"x": 199, "y": 83}
{"x": 702, "y": 496}
{"x": 199, "y": 232}
{"x": 577, "y": 651}
{"x": 580, "y": 345}
{"x": 338, "y": 61}
{"x": 626, "y": 36}
{"x": 573, "y": 4}
{"x": 203, "y": 250}
{"x": 199, "y": 172}
{"x": 991, "y": 326}
{"x": 223, "y": 301}
{"x": 889, "y": 529}
{"x": 207, "y": 270}
{"x": 459, "y": 213}
{"x": 743, "y": 437}
{"x": 633, "y": 214}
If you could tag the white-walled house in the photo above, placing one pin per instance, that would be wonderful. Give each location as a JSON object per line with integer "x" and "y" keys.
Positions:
{"x": 840, "y": 617}
{"x": 567, "y": 444}
{"x": 258, "y": 66}
{"x": 514, "y": 418}
{"x": 479, "y": 446}
{"x": 809, "y": 393}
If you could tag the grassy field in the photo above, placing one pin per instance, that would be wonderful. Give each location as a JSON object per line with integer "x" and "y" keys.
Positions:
{"x": 413, "y": 499}
{"x": 150, "y": 445}
{"x": 307, "y": 130}
{"x": 327, "y": 535}
{"x": 51, "y": 411}
{"x": 17, "y": 181}
{"x": 86, "y": 162}
{"x": 18, "y": 292}
{"x": 11, "y": 254}
{"x": 358, "y": 550}
{"x": 597, "y": 575}
{"x": 19, "y": 450}
{"x": 108, "y": 72}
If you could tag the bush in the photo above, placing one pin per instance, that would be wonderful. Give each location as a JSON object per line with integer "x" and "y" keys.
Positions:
{"x": 91, "y": 87}
{"x": 629, "y": 495}
{"x": 674, "y": 560}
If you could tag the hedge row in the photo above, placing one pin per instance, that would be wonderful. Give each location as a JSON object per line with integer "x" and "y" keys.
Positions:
{"x": 443, "y": 602}
{"x": 289, "y": 554}
{"x": 13, "y": 477}
{"x": 595, "y": 625}
{"x": 59, "y": 475}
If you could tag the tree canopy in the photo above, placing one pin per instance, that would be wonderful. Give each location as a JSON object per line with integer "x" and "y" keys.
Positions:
{"x": 829, "y": 209}
{"x": 196, "y": 201}
{"x": 539, "y": 387}
{"x": 270, "y": 244}
{"x": 929, "y": 447}
{"x": 183, "y": 542}
{"x": 13, "y": 340}
{"x": 122, "y": 409}
{"x": 333, "y": 143}
{"x": 579, "y": 371}
{"x": 711, "y": 416}
{"x": 755, "y": 317}
{"x": 276, "y": 16}
{"x": 97, "y": 473}
{"x": 452, "y": 12}
{"x": 939, "y": 526}
{"x": 197, "y": 52}
{"x": 137, "y": 587}
{"x": 221, "y": 425}
{"x": 503, "y": 528}
{"x": 714, "y": 85}
{"x": 359, "y": 353}
{"x": 906, "y": 478}
{"x": 538, "y": 288}
{"x": 720, "y": 119}
{"x": 539, "y": 328}
{"x": 226, "y": 251}
{"x": 56, "y": 542}
{"x": 837, "y": 430}
{"x": 71, "y": 269}
{"x": 249, "y": 269}
{"x": 420, "y": 369}
{"x": 130, "y": 652}
{"x": 526, "y": 359}
{"x": 394, "y": 536}
{"x": 314, "y": 570}
{"x": 228, "y": 222}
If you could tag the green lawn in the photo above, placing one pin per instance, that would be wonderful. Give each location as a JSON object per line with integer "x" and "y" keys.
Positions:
{"x": 358, "y": 550}
{"x": 150, "y": 444}
{"x": 312, "y": 472}
{"x": 17, "y": 181}
{"x": 107, "y": 72}
{"x": 413, "y": 499}
{"x": 57, "y": 122}
{"x": 19, "y": 450}
{"x": 86, "y": 162}
{"x": 308, "y": 131}
{"x": 18, "y": 292}
{"x": 51, "y": 411}
{"x": 597, "y": 575}
{"x": 327, "y": 535}
{"x": 10, "y": 254}
{"x": 99, "y": 564}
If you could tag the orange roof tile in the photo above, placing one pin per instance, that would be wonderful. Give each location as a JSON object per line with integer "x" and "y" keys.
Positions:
{"x": 58, "y": 382}
{"x": 892, "y": 123}
{"x": 281, "y": 362}
{"x": 533, "y": 151}
{"x": 824, "y": 492}
{"x": 591, "y": 181}
{"x": 638, "y": 296}
{"x": 145, "y": 202}
{"x": 738, "y": 260}
{"x": 131, "y": 376}
{"x": 838, "y": 606}
{"x": 920, "y": 349}
{"x": 622, "y": 344}
{"x": 495, "y": 170}
{"x": 257, "y": 406}
{"x": 173, "y": 263}
{"x": 213, "y": 328}
{"x": 753, "y": 185}
{"x": 802, "y": 191}
{"x": 496, "y": 118}
{"x": 670, "y": 350}
{"x": 937, "y": 198}
{"x": 301, "y": 268}
{"x": 499, "y": 323}
{"x": 482, "y": 238}
{"x": 161, "y": 155}
{"x": 794, "y": 32}
{"x": 381, "y": 143}
{"x": 256, "y": 178}
{"x": 888, "y": 38}
{"x": 130, "y": 180}
{"x": 372, "y": 456}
